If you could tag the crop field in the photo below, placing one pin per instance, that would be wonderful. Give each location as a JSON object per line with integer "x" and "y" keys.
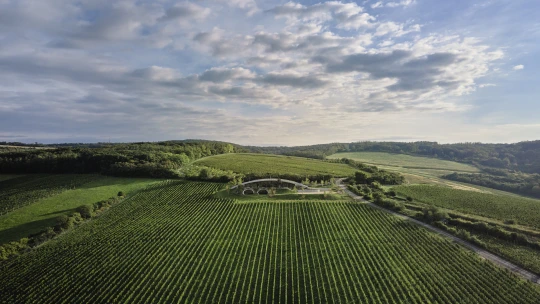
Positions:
{"x": 174, "y": 242}
{"x": 526, "y": 211}
{"x": 264, "y": 164}
{"x": 406, "y": 161}
{"x": 41, "y": 214}
{"x": 22, "y": 191}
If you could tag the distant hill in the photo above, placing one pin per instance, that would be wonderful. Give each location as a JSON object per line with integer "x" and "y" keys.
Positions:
{"x": 522, "y": 156}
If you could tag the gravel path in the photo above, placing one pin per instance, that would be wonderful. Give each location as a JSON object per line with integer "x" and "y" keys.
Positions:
{"x": 482, "y": 252}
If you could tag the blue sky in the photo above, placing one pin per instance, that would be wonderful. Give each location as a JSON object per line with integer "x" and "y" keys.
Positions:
{"x": 269, "y": 72}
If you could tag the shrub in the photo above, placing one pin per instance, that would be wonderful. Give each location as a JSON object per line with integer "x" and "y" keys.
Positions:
{"x": 64, "y": 222}
{"x": 510, "y": 222}
{"x": 121, "y": 193}
{"x": 85, "y": 211}
{"x": 409, "y": 198}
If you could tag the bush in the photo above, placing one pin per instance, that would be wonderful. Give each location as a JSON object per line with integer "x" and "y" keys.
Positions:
{"x": 409, "y": 199}
{"x": 85, "y": 211}
{"x": 121, "y": 193}
{"x": 510, "y": 222}
{"x": 64, "y": 222}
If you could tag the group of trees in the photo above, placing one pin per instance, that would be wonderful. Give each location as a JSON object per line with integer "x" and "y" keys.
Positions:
{"x": 134, "y": 159}
{"x": 516, "y": 182}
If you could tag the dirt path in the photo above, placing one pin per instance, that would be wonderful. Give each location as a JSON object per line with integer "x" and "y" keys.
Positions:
{"x": 482, "y": 252}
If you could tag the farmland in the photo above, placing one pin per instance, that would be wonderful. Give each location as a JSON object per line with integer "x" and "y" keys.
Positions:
{"x": 526, "y": 211}
{"x": 25, "y": 190}
{"x": 41, "y": 214}
{"x": 416, "y": 169}
{"x": 274, "y": 165}
{"x": 174, "y": 242}
{"x": 405, "y": 161}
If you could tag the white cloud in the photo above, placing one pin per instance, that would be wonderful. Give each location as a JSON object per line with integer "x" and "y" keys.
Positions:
{"x": 518, "y": 67}
{"x": 166, "y": 68}
{"x": 486, "y": 85}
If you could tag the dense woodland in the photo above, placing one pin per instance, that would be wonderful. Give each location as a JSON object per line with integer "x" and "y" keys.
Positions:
{"x": 134, "y": 159}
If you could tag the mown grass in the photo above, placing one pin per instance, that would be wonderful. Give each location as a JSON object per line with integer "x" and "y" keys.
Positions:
{"x": 41, "y": 214}
{"x": 274, "y": 165}
{"x": 501, "y": 207}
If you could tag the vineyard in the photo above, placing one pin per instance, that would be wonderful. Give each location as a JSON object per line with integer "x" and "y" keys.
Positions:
{"x": 174, "y": 242}
{"x": 405, "y": 161}
{"x": 524, "y": 210}
{"x": 22, "y": 191}
{"x": 275, "y": 165}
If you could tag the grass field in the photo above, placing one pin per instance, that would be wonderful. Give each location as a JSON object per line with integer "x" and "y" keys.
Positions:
{"x": 41, "y": 214}
{"x": 174, "y": 243}
{"x": 420, "y": 170}
{"x": 525, "y": 211}
{"x": 274, "y": 165}
{"x": 406, "y": 161}
{"x": 25, "y": 190}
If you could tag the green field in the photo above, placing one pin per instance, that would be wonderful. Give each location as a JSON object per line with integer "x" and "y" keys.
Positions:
{"x": 175, "y": 243}
{"x": 405, "y": 161}
{"x": 525, "y": 211}
{"x": 419, "y": 170}
{"x": 274, "y": 165}
{"x": 25, "y": 190}
{"x": 41, "y": 214}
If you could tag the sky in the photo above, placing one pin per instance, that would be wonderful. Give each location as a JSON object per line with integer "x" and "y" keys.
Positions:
{"x": 269, "y": 72}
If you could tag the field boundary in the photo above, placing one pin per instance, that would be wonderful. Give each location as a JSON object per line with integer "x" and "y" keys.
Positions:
{"x": 530, "y": 276}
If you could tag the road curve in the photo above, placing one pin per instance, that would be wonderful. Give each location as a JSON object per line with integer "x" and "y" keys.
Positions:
{"x": 480, "y": 251}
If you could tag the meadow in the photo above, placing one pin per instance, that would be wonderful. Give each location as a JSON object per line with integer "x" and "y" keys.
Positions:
{"x": 174, "y": 242}
{"x": 42, "y": 212}
{"x": 405, "y": 161}
{"x": 25, "y": 190}
{"x": 274, "y": 165}
{"x": 501, "y": 207}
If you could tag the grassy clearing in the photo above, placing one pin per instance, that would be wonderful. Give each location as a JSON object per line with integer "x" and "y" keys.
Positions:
{"x": 25, "y": 190}
{"x": 274, "y": 165}
{"x": 526, "y": 211}
{"x": 41, "y": 214}
{"x": 174, "y": 243}
{"x": 405, "y": 161}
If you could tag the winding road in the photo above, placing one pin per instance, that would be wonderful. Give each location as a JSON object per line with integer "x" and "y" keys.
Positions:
{"x": 480, "y": 251}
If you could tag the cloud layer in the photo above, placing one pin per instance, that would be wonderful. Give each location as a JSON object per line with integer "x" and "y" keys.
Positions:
{"x": 231, "y": 70}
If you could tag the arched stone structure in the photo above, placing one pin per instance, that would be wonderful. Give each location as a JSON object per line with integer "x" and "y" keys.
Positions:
{"x": 281, "y": 180}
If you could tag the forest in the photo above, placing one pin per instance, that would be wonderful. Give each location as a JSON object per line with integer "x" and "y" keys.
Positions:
{"x": 134, "y": 159}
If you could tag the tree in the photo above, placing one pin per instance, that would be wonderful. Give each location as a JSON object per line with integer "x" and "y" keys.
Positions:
{"x": 85, "y": 211}
{"x": 121, "y": 193}
{"x": 361, "y": 177}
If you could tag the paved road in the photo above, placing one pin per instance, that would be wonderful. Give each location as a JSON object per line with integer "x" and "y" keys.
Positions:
{"x": 482, "y": 252}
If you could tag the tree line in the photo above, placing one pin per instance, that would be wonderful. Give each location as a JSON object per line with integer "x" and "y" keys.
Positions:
{"x": 133, "y": 159}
